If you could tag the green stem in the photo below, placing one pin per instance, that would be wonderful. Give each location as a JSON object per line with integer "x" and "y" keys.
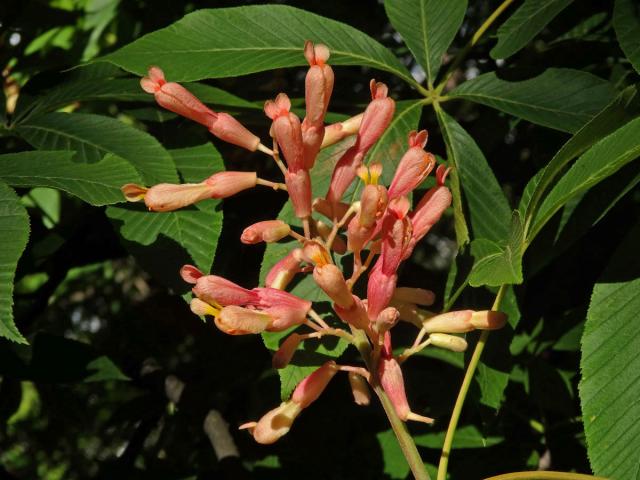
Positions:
{"x": 476, "y": 37}
{"x": 544, "y": 475}
{"x": 464, "y": 389}
{"x": 407, "y": 445}
{"x": 456, "y": 294}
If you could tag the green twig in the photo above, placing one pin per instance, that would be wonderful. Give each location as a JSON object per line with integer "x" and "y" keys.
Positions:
{"x": 544, "y": 475}
{"x": 464, "y": 389}
{"x": 476, "y": 37}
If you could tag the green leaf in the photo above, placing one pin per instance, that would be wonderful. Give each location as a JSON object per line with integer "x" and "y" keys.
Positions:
{"x": 626, "y": 22}
{"x": 104, "y": 369}
{"x": 524, "y": 24}
{"x": 589, "y": 29}
{"x": 226, "y": 42}
{"x": 559, "y": 98}
{"x": 395, "y": 465}
{"x": 196, "y": 230}
{"x": 610, "y": 385}
{"x": 497, "y": 264}
{"x": 624, "y": 108}
{"x": 489, "y": 210}
{"x": 460, "y": 223}
{"x": 428, "y": 27}
{"x": 468, "y": 436}
{"x": 95, "y": 183}
{"x": 92, "y": 136}
{"x": 14, "y": 225}
{"x": 494, "y": 369}
{"x": 602, "y": 160}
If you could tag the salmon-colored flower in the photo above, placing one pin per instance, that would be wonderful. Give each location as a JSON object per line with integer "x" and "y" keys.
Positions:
{"x": 392, "y": 381}
{"x": 375, "y": 120}
{"x": 414, "y": 166}
{"x": 176, "y": 98}
{"x": 318, "y": 88}
{"x": 277, "y": 422}
{"x": 287, "y": 131}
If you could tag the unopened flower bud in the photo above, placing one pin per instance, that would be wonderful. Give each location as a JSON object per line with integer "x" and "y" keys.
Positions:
{"x": 285, "y": 353}
{"x": 450, "y": 322}
{"x": 359, "y": 389}
{"x": 330, "y": 279}
{"x": 419, "y": 296}
{"x": 431, "y": 207}
{"x": 234, "y": 320}
{"x": 226, "y": 184}
{"x": 373, "y": 204}
{"x": 166, "y": 197}
{"x": 448, "y": 342}
{"x": 386, "y": 319}
{"x": 268, "y": 231}
{"x": 309, "y": 389}
{"x": 287, "y": 131}
{"x": 285, "y": 308}
{"x": 274, "y": 424}
{"x": 488, "y": 320}
{"x": 318, "y": 83}
{"x": 337, "y": 131}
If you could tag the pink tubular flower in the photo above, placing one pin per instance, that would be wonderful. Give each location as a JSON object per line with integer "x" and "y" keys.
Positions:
{"x": 277, "y": 422}
{"x": 431, "y": 207}
{"x": 392, "y": 382}
{"x": 287, "y": 131}
{"x": 166, "y": 197}
{"x": 462, "y": 321}
{"x": 380, "y": 289}
{"x": 309, "y": 389}
{"x": 414, "y": 166}
{"x": 318, "y": 88}
{"x": 214, "y": 289}
{"x": 268, "y": 231}
{"x": 375, "y": 120}
{"x": 330, "y": 279}
{"x": 175, "y": 98}
{"x": 373, "y": 204}
{"x": 283, "y": 272}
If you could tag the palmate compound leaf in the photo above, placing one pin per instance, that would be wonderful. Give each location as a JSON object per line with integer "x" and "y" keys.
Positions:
{"x": 427, "y": 27}
{"x": 95, "y": 183}
{"x": 559, "y": 98}
{"x": 153, "y": 236}
{"x": 14, "y": 225}
{"x": 610, "y": 365}
{"x": 225, "y": 42}
{"x": 388, "y": 151}
{"x": 525, "y": 23}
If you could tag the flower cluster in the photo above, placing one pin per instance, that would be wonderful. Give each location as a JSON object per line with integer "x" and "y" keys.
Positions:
{"x": 380, "y": 226}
